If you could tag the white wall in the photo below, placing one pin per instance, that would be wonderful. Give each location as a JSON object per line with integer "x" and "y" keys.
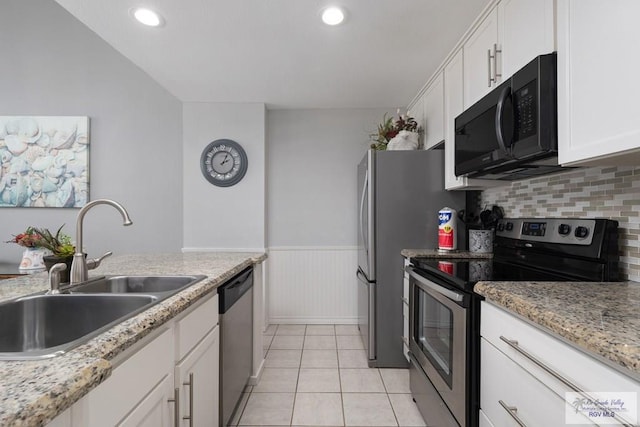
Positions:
{"x": 53, "y": 65}
{"x": 217, "y": 218}
{"x": 312, "y": 158}
{"x": 311, "y": 175}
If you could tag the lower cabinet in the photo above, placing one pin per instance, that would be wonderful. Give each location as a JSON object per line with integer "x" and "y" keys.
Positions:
{"x": 168, "y": 379}
{"x": 198, "y": 383}
{"x": 526, "y": 373}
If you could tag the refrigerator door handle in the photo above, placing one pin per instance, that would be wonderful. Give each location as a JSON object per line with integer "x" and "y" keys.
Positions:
{"x": 362, "y": 199}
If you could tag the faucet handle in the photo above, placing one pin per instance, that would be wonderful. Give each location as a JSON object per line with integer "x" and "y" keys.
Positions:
{"x": 54, "y": 278}
{"x": 95, "y": 262}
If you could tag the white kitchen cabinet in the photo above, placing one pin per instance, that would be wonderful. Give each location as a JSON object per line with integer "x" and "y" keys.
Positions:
{"x": 453, "y": 106}
{"x": 434, "y": 112}
{"x": 417, "y": 112}
{"x": 598, "y": 66}
{"x": 197, "y": 378}
{"x": 141, "y": 390}
{"x": 512, "y": 355}
{"x": 155, "y": 410}
{"x": 122, "y": 396}
{"x": 479, "y": 51}
{"x": 526, "y": 30}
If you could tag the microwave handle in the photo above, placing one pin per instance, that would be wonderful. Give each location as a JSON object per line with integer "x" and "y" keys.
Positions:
{"x": 499, "y": 115}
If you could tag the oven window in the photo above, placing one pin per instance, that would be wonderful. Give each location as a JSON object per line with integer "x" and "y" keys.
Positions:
{"x": 434, "y": 333}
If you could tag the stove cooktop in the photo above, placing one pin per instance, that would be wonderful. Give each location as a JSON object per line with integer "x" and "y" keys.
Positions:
{"x": 464, "y": 273}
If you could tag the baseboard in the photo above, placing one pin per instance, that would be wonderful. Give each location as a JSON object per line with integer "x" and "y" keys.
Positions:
{"x": 255, "y": 379}
{"x": 313, "y": 321}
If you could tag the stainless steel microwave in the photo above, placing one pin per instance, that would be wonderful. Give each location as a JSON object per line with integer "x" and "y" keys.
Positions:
{"x": 512, "y": 133}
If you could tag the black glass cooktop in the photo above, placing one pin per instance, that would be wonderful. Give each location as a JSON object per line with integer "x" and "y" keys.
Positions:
{"x": 464, "y": 273}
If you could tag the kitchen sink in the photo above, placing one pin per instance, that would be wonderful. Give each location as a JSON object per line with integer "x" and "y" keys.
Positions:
{"x": 137, "y": 284}
{"x": 42, "y": 326}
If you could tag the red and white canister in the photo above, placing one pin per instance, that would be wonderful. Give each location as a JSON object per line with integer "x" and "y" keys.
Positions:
{"x": 447, "y": 229}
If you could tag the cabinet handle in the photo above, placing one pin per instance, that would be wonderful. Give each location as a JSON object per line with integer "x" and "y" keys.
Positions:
{"x": 496, "y": 51}
{"x": 513, "y": 411}
{"x": 176, "y": 407}
{"x": 514, "y": 344}
{"x": 190, "y": 416}
{"x": 489, "y": 70}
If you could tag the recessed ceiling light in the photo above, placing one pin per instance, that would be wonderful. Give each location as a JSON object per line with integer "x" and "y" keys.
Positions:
{"x": 332, "y": 15}
{"x": 147, "y": 17}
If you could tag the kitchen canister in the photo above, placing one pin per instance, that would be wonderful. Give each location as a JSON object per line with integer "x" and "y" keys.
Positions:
{"x": 447, "y": 229}
{"x": 481, "y": 241}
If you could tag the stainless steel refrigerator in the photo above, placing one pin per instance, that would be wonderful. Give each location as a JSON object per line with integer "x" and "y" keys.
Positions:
{"x": 399, "y": 196}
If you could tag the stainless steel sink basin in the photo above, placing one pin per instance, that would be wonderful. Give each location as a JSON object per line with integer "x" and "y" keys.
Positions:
{"x": 137, "y": 284}
{"x": 44, "y": 326}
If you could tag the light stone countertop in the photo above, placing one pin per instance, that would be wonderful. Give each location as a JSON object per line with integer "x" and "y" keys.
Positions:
{"x": 434, "y": 253}
{"x": 33, "y": 392}
{"x": 602, "y": 319}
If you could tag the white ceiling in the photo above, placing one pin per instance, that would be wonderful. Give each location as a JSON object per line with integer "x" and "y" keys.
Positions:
{"x": 279, "y": 53}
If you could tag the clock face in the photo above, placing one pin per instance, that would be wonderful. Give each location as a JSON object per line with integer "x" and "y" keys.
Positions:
{"x": 223, "y": 162}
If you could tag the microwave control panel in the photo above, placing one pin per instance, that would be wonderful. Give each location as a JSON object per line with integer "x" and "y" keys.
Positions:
{"x": 525, "y": 107}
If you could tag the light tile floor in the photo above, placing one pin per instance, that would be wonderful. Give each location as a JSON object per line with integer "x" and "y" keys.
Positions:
{"x": 317, "y": 375}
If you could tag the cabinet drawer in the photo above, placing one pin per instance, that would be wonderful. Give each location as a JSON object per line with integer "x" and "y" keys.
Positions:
{"x": 578, "y": 367}
{"x": 502, "y": 380}
{"x": 128, "y": 384}
{"x": 194, "y": 326}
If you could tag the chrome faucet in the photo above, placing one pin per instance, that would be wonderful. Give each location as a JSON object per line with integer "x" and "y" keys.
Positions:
{"x": 80, "y": 266}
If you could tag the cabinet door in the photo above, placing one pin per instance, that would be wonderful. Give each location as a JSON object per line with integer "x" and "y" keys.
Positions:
{"x": 197, "y": 376}
{"x": 526, "y": 31}
{"x": 433, "y": 113}
{"x": 156, "y": 410}
{"x": 598, "y": 69}
{"x": 417, "y": 112}
{"x": 478, "y": 67}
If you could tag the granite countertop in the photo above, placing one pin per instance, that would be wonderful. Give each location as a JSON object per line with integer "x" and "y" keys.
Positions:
{"x": 33, "y": 392}
{"x": 434, "y": 253}
{"x": 602, "y": 319}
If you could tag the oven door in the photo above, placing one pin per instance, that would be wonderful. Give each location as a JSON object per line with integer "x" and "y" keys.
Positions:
{"x": 438, "y": 329}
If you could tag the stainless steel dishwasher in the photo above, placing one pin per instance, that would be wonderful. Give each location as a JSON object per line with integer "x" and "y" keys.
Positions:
{"x": 235, "y": 300}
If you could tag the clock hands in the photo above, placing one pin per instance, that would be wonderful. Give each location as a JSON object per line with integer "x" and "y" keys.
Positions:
{"x": 226, "y": 159}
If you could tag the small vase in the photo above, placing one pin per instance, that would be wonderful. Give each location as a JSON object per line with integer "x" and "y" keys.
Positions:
{"x": 32, "y": 259}
{"x": 51, "y": 260}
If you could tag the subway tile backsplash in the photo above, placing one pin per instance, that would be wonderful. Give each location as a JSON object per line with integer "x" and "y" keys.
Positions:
{"x": 598, "y": 192}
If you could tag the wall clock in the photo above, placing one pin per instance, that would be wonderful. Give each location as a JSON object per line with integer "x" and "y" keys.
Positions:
{"x": 223, "y": 162}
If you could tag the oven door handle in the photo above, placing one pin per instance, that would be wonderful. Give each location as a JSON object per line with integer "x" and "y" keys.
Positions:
{"x": 439, "y": 289}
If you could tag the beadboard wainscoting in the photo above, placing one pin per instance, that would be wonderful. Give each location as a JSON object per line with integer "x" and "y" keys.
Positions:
{"x": 599, "y": 192}
{"x": 312, "y": 285}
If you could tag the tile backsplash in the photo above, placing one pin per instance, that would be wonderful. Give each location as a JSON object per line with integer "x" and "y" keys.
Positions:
{"x": 597, "y": 192}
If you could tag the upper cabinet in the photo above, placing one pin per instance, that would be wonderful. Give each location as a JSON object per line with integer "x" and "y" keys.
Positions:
{"x": 598, "y": 67}
{"x": 417, "y": 112}
{"x": 526, "y": 30}
{"x": 480, "y": 60}
{"x": 434, "y": 113}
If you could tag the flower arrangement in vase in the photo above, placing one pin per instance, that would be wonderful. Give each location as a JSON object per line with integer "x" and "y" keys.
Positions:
{"x": 44, "y": 249}
{"x": 402, "y": 133}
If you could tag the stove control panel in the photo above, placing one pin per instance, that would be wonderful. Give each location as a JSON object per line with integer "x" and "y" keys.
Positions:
{"x": 571, "y": 231}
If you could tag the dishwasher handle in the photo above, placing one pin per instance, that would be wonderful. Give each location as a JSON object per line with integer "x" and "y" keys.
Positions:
{"x": 234, "y": 289}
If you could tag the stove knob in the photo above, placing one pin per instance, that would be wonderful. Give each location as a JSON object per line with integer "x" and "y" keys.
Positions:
{"x": 564, "y": 229}
{"x": 501, "y": 227}
{"x": 581, "y": 232}
{"x": 509, "y": 226}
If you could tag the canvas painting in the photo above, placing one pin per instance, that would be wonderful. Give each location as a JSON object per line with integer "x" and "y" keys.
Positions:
{"x": 44, "y": 161}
